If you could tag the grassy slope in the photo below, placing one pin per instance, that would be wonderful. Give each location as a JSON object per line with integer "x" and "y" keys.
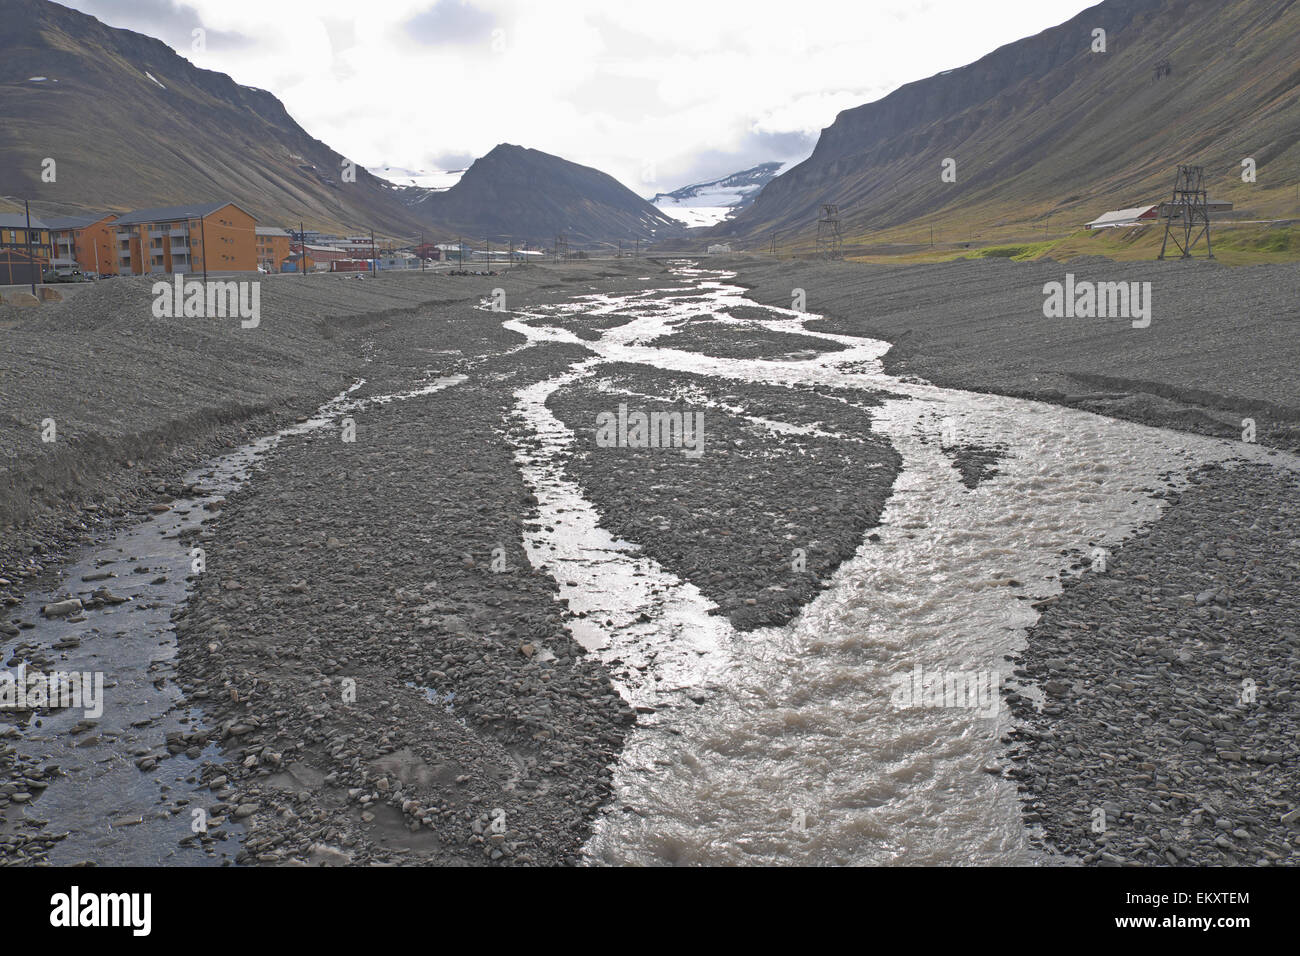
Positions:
{"x": 1234, "y": 245}
{"x": 1069, "y": 135}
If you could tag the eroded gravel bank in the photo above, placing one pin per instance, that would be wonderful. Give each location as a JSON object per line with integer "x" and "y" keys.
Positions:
{"x": 1220, "y": 348}
{"x": 1171, "y": 725}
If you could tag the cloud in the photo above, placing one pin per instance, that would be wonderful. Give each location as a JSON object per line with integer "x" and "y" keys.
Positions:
{"x": 656, "y": 94}
{"x": 167, "y": 20}
{"x": 450, "y": 22}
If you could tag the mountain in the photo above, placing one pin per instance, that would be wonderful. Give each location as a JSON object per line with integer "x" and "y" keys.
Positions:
{"x": 705, "y": 204}
{"x": 131, "y": 124}
{"x": 529, "y": 196}
{"x": 1047, "y": 127}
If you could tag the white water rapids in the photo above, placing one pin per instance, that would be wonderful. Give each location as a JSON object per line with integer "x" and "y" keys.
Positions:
{"x": 782, "y": 745}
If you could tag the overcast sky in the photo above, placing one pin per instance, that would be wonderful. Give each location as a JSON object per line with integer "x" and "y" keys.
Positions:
{"x": 657, "y": 94}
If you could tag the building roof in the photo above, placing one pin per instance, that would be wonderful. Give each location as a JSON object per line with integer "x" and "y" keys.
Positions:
{"x": 1124, "y": 217}
{"x": 76, "y": 222}
{"x": 270, "y": 231}
{"x": 18, "y": 220}
{"x": 172, "y": 213}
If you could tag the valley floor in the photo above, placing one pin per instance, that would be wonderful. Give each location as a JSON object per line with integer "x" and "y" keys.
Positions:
{"x": 382, "y": 664}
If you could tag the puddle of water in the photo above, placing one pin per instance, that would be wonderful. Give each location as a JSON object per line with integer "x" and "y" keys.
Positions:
{"x": 111, "y": 811}
{"x": 799, "y": 753}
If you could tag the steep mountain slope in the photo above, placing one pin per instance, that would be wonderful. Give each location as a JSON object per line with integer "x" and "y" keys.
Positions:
{"x": 528, "y": 195}
{"x": 1047, "y": 127}
{"x": 132, "y": 124}
{"x": 704, "y": 204}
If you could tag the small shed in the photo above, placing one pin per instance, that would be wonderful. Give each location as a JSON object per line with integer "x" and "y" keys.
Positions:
{"x": 1136, "y": 216}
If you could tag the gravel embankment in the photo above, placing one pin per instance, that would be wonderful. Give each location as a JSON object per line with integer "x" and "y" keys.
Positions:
{"x": 1221, "y": 346}
{"x": 137, "y": 399}
{"x": 1170, "y": 681}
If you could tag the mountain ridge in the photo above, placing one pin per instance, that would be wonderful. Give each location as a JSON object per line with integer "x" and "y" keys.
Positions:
{"x": 514, "y": 192}
{"x": 1046, "y": 127}
{"x": 165, "y": 131}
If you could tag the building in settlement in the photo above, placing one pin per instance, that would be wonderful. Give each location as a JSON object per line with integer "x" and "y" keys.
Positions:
{"x": 212, "y": 237}
{"x": 85, "y": 244}
{"x": 23, "y": 258}
{"x": 1118, "y": 218}
{"x": 272, "y": 247}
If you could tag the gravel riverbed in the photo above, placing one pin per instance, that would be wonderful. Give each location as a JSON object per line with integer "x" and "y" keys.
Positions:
{"x": 474, "y": 730}
{"x": 388, "y": 679}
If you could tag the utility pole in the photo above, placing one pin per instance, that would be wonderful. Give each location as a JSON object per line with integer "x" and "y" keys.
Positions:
{"x": 31, "y": 261}
{"x": 421, "y": 250}
{"x": 374, "y": 265}
{"x": 203, "y": 241}
{"x": 460, "y": 251}
{"x": 488, "y": 254}
{"x": 302, "y": 249}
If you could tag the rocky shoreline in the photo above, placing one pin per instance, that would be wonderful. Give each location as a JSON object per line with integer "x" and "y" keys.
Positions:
{"x": 1170, "y": 730}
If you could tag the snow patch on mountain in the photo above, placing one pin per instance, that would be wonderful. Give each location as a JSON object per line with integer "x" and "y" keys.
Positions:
{"x": 434, "y": 179}
{"x": 709, "y": 203}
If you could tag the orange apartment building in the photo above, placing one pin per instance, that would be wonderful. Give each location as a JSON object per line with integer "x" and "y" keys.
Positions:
{"x": 84, "y": 243}
{"x": 272, "y": 247}
{"x": 218, "y": 236}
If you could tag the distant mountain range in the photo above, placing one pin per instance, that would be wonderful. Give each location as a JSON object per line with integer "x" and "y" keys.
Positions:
{"x": 1047, "y": 127}
{"x": 131, "y": 124}
{"x": 705, "y": 204}
{"x": 1043, "y": 130}
{"x": 527, "y": 195}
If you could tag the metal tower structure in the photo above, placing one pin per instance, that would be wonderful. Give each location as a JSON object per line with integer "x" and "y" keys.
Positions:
{"x": 1191, "y": 205}
{"x": 829, "y": 240}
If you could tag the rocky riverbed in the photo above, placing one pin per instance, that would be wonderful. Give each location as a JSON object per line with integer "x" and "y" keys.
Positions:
{"x": 1170, "y": 729}
{"x": 1219, "y": 349}
{"x": 340, "y": 561}
{"x": 376, "y": 665}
